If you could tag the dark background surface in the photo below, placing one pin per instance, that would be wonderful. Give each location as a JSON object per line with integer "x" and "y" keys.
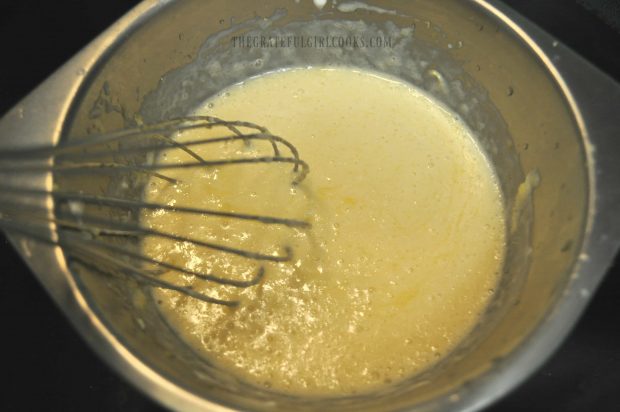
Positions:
{"x": 46, "y": 366}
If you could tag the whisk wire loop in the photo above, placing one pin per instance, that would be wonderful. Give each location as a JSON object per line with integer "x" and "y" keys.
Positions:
{"x": 101, "y": 241}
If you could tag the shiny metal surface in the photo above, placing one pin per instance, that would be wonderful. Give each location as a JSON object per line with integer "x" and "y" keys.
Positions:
{"x": 558, "y": 109}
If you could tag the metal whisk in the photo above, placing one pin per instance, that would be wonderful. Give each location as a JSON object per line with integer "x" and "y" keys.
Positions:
{"x": 98, "y": 240}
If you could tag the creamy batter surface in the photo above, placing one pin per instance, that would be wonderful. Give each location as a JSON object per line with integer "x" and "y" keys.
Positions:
{"x": 405, "y": 248}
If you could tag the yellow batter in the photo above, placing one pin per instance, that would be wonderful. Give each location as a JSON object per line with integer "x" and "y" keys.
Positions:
{"x": 406, "y": 243}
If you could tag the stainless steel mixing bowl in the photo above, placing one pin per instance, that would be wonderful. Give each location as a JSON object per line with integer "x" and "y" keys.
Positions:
{"x": 546, "y": 118}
